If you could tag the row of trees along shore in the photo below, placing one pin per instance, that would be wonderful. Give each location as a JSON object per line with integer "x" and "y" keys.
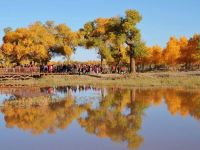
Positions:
{"x": 117, "y": 41}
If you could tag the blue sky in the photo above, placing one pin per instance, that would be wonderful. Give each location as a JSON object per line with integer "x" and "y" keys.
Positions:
{"x": 161, "y": 18}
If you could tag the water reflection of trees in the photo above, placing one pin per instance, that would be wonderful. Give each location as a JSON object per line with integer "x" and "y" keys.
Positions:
{"x": 42, "y": 114}
{"x": 110, "y": 121}
{"x": 118, "y": 116}
{"x": 183, "y": 102}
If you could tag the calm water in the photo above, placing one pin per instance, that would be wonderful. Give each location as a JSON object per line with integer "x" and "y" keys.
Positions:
{"x": 86, "y": 118}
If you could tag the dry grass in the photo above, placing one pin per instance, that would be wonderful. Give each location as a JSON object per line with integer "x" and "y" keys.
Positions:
{"x": 189, "y": 80}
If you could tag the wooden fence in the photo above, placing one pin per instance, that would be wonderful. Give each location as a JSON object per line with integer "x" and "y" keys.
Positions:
{"x": 19, "y": 72}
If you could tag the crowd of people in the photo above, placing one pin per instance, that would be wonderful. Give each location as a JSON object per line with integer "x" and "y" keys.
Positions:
{"x": 65, "y": 68}
{"x": 71, "y": 69}
{"x": 81, "y": 69}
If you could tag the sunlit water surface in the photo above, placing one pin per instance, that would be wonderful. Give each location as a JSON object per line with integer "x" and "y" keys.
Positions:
{"x": 88, "y": 118}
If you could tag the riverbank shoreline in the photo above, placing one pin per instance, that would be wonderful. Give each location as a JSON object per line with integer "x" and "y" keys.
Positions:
{"x": 154, "y": 79}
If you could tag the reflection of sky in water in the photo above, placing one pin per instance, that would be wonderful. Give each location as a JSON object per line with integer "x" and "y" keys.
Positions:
{"x": 4, "y": 97}
{"x": 92, "y": 97}
{"x": 162, "y": 131}
{"x": 58, "y": 95}
{"x": 84, "y": 115}
{"x": 81, "y": 97}
{"x": 126, "y": 111}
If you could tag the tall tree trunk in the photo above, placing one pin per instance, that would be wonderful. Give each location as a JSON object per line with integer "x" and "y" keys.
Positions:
{"x": 101, "y": 62}
{"x": 117, "y": 67}
{"x": 142, "y": 67}
{"x": 132, "y": 63}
